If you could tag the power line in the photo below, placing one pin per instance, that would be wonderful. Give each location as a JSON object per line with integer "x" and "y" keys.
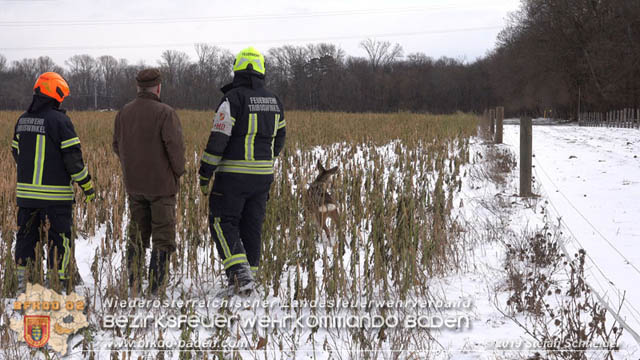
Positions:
{"x": 226, "y": 18}
{"x": 253, "y": 41}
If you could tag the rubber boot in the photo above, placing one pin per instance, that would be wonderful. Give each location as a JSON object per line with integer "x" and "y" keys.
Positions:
{"x": 22, "y": 281}
{"x": 75, "y": 280}
{"x": 135, "y": 267}
{"x": 158, "y": 268}
{"x": 241, "y": 280}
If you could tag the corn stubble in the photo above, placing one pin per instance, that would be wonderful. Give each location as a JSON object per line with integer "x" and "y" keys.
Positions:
{"x": 398, "y": 175}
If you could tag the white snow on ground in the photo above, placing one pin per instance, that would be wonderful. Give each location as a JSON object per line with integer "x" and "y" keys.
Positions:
{"x": 591, "y": 176}
{"x": 491, "y": 213}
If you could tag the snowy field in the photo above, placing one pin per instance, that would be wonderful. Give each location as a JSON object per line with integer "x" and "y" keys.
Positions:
{"x": 591, "y": 177}
{"x": 586, "y": 176}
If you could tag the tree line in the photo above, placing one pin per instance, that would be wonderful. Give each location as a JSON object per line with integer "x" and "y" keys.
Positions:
{"x": 565, "y": 54}
{"x": 313, "y": 77}
{"x": 552, "y": 55}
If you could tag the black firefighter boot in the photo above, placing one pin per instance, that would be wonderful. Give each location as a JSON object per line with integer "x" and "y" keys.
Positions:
{"x": 158, "y": 268}
{"x": 241, "y": 280}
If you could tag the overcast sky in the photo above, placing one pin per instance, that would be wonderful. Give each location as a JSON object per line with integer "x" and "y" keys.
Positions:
{"x": 141, "y": 30}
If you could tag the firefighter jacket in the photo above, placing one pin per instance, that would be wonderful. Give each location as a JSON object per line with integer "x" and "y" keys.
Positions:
{"x": 248, "y": 130}
{"x": 48, "y": 156}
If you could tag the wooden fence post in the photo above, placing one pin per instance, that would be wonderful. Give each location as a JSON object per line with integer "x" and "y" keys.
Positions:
{"x": 526, "y": 150}
{"x": 484, "y": 125}
{"x": 618, "y": 118}
{"x": 627, "y": 117}
{"x": 499, "y": 122}
{"x": 492, "y": 122}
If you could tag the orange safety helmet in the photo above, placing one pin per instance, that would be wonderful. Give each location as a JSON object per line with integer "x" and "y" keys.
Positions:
{"x": 52, "y": 85}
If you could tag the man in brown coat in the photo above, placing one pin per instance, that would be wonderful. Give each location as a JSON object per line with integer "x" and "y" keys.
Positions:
{"x": 148, "y": 140}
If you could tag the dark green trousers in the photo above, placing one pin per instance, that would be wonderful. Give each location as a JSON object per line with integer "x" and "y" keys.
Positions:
{"x": 153, "y": 217}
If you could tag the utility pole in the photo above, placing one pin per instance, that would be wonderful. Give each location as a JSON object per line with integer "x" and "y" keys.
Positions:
{"x": 95, "y": 96}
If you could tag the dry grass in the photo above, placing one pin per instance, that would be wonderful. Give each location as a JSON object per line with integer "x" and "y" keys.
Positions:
{"x": 398, "y": 174}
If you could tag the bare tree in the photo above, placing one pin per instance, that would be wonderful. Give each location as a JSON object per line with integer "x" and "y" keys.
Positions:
{"x": 381, "y": 53}
{"x": 109, "y": 70}
{"x": 173, "y": 63}
{"x": 3, "y": 63}
{"x": 46, "y": 64}
{"x": 27, "y": 69}
{"x": 83, "y": 79}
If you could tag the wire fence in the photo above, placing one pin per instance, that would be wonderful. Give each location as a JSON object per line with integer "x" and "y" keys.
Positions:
{"x": 609, "y": 296}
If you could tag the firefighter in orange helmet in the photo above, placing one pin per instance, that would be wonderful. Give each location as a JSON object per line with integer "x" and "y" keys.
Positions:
{"x": 47, "y": 152}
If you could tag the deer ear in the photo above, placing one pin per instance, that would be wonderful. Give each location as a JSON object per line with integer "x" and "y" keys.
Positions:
{"x": 320, "y": 167}
{"x": 333, "y": 170}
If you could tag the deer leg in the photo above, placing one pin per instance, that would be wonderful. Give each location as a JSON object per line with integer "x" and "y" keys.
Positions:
{"x": 324, "y": 226}
{"x": 318, "y": 220}
{"x": 335, "y": 218}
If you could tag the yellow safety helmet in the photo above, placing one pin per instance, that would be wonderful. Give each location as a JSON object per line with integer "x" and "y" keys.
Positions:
{"x": 249, "y": 59}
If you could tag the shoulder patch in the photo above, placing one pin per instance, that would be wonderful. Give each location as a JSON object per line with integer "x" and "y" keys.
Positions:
{"x": 223, "y": 122}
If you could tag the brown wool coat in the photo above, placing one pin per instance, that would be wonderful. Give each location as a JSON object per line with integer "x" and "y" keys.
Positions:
{"x": 148, "y": 139}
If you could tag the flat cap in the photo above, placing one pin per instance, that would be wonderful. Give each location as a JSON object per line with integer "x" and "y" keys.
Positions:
{"x": 148, "y": 78}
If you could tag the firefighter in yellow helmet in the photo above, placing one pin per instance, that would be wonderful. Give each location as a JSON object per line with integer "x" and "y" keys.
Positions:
{"x": 247, "y": 135}
{"x": 47, "y": 152}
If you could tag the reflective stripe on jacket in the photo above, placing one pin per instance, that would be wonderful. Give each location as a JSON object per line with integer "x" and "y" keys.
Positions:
{"x": 248, "y": 130}
{"x": 48, "y": 155}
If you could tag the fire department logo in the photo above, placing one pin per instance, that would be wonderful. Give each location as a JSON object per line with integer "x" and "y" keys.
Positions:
{"x": 45, "y": 317}
{"x": 36, "y": 330}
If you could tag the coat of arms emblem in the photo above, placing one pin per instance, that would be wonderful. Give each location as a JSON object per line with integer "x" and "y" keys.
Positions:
{"x": 36, "y": 330}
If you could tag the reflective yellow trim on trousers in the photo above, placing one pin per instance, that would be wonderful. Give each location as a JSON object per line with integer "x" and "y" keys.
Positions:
{"x": 62, "y": 273}
{"x": 235, "y": 260}
{"x": 15, "y": 144}
{"x": 221, "y": 238}
{"x": 282, "y": 124}
{"x": 249, "y": 140}
{"x": 38, "y": 160}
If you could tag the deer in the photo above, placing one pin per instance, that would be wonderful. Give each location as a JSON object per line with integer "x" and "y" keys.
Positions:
{"x": 319, "y": 202}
